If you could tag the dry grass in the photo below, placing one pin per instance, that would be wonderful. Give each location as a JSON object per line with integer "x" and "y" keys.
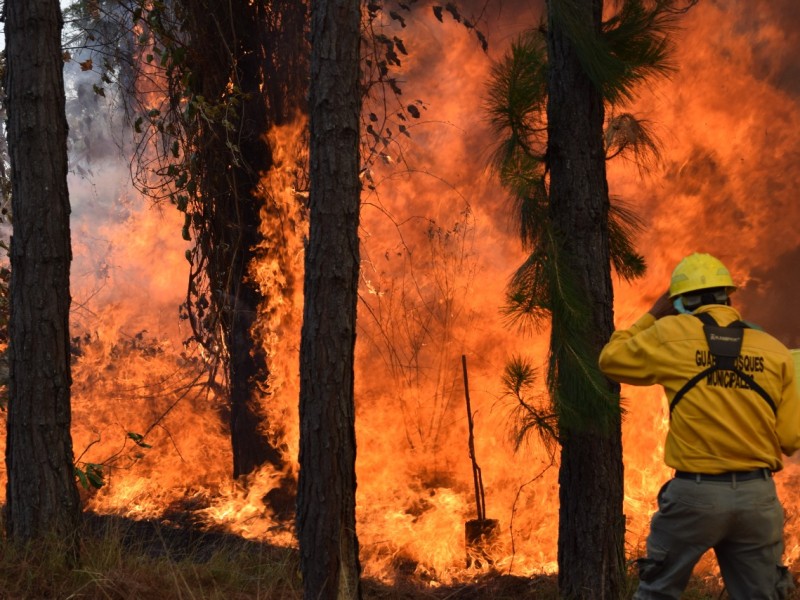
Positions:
{"x": 125, "y": 560}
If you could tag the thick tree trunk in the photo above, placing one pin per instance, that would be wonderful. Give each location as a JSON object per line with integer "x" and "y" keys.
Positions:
{"x": 326, "y": 524}
{"x": 42, "y": 499}
{"x": 591, "y": 523}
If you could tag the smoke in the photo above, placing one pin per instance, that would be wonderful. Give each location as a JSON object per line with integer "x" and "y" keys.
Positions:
{"x": 728, "y": 181}
{"x": 116, "y": 232}
{"x": 770, "y": 297}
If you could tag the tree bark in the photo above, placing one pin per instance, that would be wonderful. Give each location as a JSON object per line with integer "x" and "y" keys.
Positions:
{"x": 41, "y": 499}
{"x": 326, "y": 498}
{"x": 591, "y": 523}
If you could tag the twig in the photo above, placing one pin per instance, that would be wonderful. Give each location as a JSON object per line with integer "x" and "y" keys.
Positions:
{"x": 514, "y": 509}
{"x": 480, "y": 500}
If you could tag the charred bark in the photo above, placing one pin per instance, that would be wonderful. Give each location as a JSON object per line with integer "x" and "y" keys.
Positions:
{"x": 41, "y": 498}
{"x": 326, "y": 524}
{"x": 591, "y": 523}
{"x": 260, "y": 48}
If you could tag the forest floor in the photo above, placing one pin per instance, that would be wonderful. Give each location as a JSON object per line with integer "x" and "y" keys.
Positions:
{"x": 160, "y": 542}
{"x": 181, "y": 544}
{"x": 175, "y": 559}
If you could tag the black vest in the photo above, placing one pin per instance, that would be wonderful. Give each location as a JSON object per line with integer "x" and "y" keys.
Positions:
{"x": 725, "y": 345}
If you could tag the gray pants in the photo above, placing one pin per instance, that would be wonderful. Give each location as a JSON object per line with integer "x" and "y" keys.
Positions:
{"x": 741, "y": 521}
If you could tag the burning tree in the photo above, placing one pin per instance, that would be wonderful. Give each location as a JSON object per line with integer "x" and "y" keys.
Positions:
{"x": 237, "y": 73}
{"x": 257, "y": 75}
{"x": 204, "y": 87}
{"x": 42, "y": 498}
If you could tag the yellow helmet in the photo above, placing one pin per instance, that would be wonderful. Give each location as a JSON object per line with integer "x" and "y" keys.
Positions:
{"x": 699, "y": 272}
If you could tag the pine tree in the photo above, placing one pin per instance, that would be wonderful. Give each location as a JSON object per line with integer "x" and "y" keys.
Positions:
{"x": 42, "y": 498}
{"x": 555, "y": 102}
{"x": 326, "y": 526}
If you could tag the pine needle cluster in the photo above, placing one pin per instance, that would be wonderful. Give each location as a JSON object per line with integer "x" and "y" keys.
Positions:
{"x": 631, "y": 46}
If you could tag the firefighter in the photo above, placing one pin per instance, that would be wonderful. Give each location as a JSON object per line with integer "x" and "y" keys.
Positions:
{"x": 734, "y": 410}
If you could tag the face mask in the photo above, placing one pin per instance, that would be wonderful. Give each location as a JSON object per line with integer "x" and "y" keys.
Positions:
{"x": 678, "y": 304}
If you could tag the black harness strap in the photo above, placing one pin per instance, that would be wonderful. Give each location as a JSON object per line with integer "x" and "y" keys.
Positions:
{"x": 725, "y": 345}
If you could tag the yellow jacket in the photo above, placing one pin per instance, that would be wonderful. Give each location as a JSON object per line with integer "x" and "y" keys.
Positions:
{"x": 717, "y": 426}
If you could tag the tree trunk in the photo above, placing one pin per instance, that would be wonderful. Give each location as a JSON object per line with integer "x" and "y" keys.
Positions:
{"x": 42, "y": 498}
{"x": 591, "y": 523}
{"x": 259, "y": 46}
{"x": 326, "y": 499}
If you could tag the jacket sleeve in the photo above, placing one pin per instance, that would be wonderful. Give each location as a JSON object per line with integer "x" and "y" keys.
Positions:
{"x": 628, "y": 355}
{"x": 788, "y": 417}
